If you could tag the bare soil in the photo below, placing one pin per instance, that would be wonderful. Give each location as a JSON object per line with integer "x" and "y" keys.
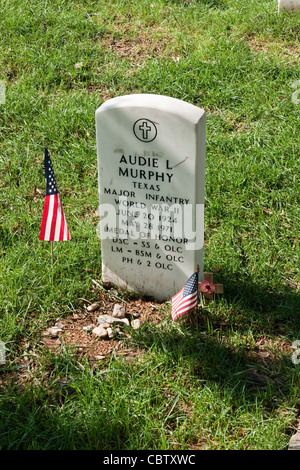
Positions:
{"x": 88, "y": 344}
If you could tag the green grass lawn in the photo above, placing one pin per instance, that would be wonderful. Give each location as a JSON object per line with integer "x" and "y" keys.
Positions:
{"x": 228, "y": 380}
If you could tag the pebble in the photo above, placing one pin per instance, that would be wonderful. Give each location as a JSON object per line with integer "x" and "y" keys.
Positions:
{"x": 59, "y": 325}
{"x": 136, "y": 323}
{"x": 54, "y": 331}
{"x": 119, "y": 311}
{"x": 110, "y": 332}
{"x": 92, "y": 307}
{"x": 88, "y": 328}
{"x": 110, "y": 319}
{"x": 100, "y": 331}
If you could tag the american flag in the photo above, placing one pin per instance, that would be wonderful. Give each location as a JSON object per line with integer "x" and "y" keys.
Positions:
{"x": 54, "y": 226}
{"x": 186, "y": 299}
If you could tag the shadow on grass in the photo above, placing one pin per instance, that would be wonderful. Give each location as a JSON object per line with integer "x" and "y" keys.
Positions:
{"x": 216, "y": 346}
{"x": 243, "y": 346}
{"x": 273, "y": 310}
{"x": 6, "y": 238}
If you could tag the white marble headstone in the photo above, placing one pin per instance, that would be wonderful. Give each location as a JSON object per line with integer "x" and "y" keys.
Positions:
{"x": 288, "y": 5}
{"x": 151, "y": 164}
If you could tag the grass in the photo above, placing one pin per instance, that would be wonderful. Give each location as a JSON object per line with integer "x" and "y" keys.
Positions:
{"x": 199, "y": 385}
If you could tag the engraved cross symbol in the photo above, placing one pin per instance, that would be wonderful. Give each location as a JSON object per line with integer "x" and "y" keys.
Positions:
{"x": 145, "y": 129}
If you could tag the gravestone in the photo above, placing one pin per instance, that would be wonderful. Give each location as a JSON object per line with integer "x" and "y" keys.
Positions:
{"x": 151, "y": 163}
{"x": 288, "y": 5}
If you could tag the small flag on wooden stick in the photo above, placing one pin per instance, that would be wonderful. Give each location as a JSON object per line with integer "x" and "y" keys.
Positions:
{"x": 186, "y": 299}
{"x": 54, "y": 226}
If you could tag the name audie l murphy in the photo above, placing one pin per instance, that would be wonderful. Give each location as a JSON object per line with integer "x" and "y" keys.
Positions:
{"x": 148, "y": 175}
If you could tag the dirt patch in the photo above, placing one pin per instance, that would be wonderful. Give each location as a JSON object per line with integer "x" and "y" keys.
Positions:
{"x": 134, "y": 48}
{"x": 141, "y": 44}
{"x": 30, "y": 366}
{"x": 288, "y": 52}
{"x": 76, "y": 329}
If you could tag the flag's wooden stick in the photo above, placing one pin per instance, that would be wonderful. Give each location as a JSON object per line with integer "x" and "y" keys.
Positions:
{"x": 51, "y": 252}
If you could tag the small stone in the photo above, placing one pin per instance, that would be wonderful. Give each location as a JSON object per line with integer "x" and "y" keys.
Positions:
{"x": 59, "y": 325}
{"x": 105, "y": 319}
{"x": 92, "y": 307}
{"x": 136, "y": 323}
{"x": 110, "y": 332}
{"x": 99, "y": 331}
{"x": 125, "y": 320}
{"x": 54, "y": 332}
{"x": 88, "y": 328}
{"x": 119, "y": 311}
{"x": 136, "y": 315}
{"x": 110, "y": 319}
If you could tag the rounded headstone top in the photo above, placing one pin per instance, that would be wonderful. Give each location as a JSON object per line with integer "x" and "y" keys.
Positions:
{"x": 151, "y": 101}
